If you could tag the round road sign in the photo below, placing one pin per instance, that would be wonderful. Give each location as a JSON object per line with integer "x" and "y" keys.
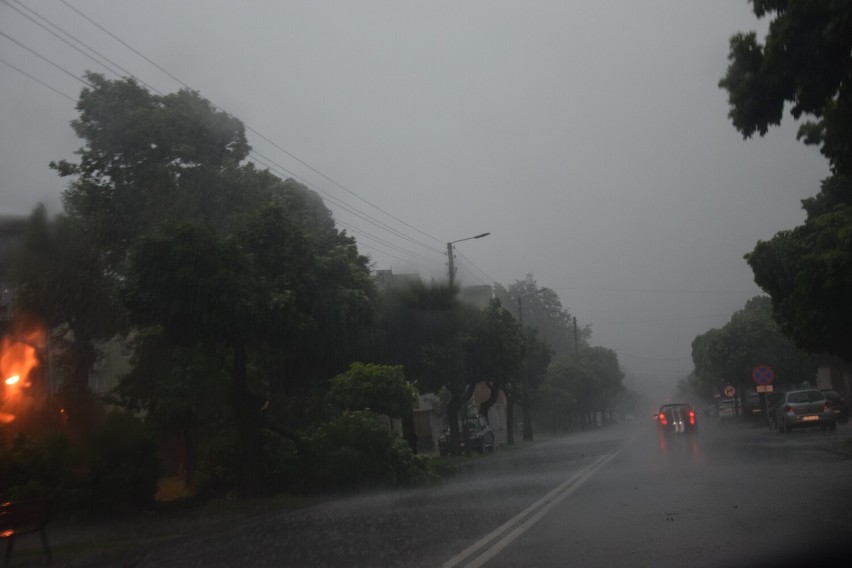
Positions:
{"x": 763, "y": 375}
{"x": 730, "y": 391}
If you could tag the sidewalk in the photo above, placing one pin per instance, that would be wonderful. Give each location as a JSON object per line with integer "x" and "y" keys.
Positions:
{"x": 123, "y": 542}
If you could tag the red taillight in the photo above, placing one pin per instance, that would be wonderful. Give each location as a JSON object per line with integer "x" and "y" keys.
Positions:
{"x": 662, "y": 419}
{"x": 692, "y": 418}
{"x": 827, "y": 407}
{"x": 788, "y": 408}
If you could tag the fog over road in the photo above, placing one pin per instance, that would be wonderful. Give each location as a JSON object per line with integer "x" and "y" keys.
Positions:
{"x": 735, "y": 495}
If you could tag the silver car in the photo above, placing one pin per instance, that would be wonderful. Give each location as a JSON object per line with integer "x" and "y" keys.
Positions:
{"x": 804, "y": 408}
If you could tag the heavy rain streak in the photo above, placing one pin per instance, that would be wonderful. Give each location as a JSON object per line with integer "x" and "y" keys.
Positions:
{"x": 444, "y": 284}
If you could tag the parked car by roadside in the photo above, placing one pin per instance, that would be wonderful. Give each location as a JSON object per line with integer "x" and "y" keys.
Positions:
{"x": 838, "y": 406}
{"x": 807, "y": 407}
{"x": 481, "y": 436}
{"x": 753, "y": 406}
{"x": 727, "y": 408}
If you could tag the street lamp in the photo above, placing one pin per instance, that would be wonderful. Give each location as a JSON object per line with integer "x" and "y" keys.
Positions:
{"x": 452, "y": 268}
{"x": 525, "y": 386}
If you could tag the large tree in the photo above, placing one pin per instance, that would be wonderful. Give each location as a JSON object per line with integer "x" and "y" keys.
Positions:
{"x": 496, "y": 351}
{"x": 543, "y": 311}
{"x": 425, "y": 329}
{"x": 225, "y": 261}
{"x": 589, "y": 383}
{"x": 751, "y": 338}
{"x": 64, "y": 282}
{"x": 805, "y": 63}
{"x": 282, "y": 300}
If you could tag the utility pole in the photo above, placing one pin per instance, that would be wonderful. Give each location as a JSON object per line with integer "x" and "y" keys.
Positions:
{"x": 450, "y": 264}
{"x": 576, "y": 341}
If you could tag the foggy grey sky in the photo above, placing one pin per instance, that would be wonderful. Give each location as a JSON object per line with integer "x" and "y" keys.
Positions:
{"x": 589, "y": 138}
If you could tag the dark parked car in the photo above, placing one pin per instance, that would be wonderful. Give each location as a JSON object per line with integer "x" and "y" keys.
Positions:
{"x": 838, "y": 406}
{"x": 481, "y": 437}
{"x": 753, "y": 406}
{"x": 678, "y": 418}
{"x": 772, "y": 401}
{"x": 807, "y": 407}
{"x": 727, "y": 408}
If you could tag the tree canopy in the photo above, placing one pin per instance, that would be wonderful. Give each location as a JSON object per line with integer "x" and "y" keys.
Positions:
{"x": 805, "y": 62}
{"x": 543, "y": 311}
{"x": 751, "y": 338}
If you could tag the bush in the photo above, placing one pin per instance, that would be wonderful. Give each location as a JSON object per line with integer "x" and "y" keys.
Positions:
{"x": 217, "y": 463}
{"x": 36, "y": 468}
{"x": 122, "y": 465}
{"x": 358, "y": 450}
{"x": 283, "y": 469}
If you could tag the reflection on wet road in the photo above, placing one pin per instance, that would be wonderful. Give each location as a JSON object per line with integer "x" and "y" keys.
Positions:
{"x": 735, "y": 494}
{"x": 619, "y": 496}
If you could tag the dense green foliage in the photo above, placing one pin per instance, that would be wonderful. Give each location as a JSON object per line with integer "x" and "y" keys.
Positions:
{"x": 114, "y": 469}
{"x": 264, "y": 358}
{"x": 808, "y": 273}
{"x": 805, "y": 62}
{"x": 751, "y": 338}
{"x": 544, "y": 312}
{"x": 358, "y": 450}
{"x": 581, "y": 387}
{"x": 380, "y": 388}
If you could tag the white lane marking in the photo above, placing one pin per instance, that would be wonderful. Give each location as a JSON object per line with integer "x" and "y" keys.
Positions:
{"x": 532, "y": 514}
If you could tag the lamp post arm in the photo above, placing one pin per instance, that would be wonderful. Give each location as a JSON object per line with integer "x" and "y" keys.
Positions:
{"x": 450, "y": 264}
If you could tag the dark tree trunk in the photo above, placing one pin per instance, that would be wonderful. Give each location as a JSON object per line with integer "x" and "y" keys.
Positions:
{"x": 453, "y": 418}
{"x": 408, "y": 431}
{"x": 83, "y": 357}
{"x": 510, "y": 420}
{"x": 249, "y": 418}
{"x": 189, "y": 465}
{"x": 492, "y": 398}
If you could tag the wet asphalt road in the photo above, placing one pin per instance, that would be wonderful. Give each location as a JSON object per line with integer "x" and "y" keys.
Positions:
{"x": 620, "y": 496}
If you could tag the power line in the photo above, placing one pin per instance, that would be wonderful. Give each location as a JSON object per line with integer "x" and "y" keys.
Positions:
{"x": 386, "y": 243}
{"x": 339, "y": 203}
{"x": 45, "y": 59}
{"x": 37, "y": 80}
{"x": 122, "y": 42}
{"x": 266, "y": 161}
{"x": 65, "y": 41}
{"x": 488, "y": 278}
{"x": 354, "y": 211}
{"x": 252, "y": 130}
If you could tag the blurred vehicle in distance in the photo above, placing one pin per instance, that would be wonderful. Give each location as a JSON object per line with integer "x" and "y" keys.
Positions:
{"x": 727, "y": 408}
{"x": 677, "y": 418}
{"x": 838, "y": 405}
{"x": 753, "y": 407}
{"x": 807, "y": 407}
{"x": 481, "y": 436}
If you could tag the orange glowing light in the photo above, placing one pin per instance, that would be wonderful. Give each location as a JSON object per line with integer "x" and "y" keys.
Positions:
{"x": 19, "y": 351}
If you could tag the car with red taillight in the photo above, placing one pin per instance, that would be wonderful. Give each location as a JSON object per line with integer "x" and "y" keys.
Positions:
{"x": 806, "y": 407}
{"x": 678, "y": 418}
